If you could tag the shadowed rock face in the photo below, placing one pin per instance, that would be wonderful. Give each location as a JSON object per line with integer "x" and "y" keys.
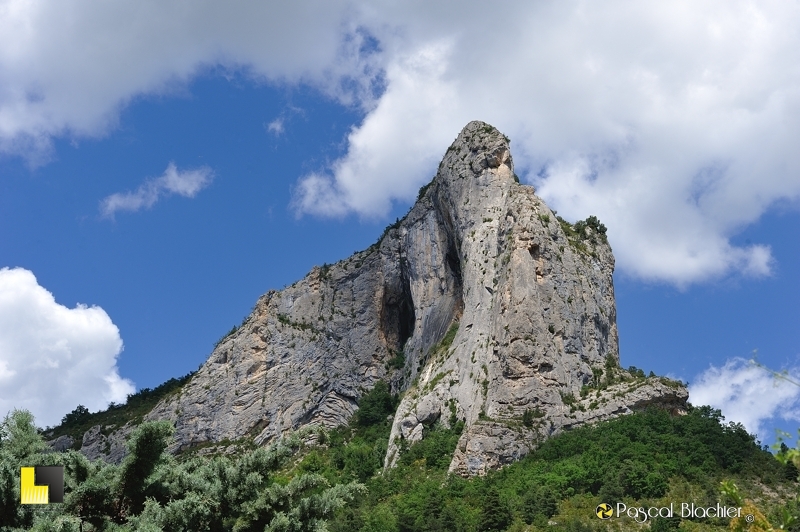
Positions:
{"x": 534, "y": 311}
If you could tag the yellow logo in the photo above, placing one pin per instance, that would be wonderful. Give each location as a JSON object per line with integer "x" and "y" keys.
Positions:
{"x": 50, "y": 487}
{"x": 604, "y": 511}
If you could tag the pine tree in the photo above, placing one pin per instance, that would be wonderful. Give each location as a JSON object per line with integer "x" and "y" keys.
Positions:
{"x": 145, "y": 448}
{"x": 496, "y": 516}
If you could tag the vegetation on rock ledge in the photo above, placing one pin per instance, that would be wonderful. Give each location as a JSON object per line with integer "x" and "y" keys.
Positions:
{"x": 590, "y": 230}
{"x": 80, "y": 420}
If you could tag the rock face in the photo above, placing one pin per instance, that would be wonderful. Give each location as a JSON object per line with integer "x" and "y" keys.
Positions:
{"x": 101, "y": 442}
{"x": 62, "y": 443}
{"x": 479, "y": 304}
{"x": 536, "y": 316}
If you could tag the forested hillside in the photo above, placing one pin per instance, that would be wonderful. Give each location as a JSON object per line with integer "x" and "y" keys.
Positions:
{"x": 336, "y": 478}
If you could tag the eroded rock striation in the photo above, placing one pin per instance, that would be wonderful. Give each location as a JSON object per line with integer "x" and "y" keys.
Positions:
{"x": 480, "y": 304}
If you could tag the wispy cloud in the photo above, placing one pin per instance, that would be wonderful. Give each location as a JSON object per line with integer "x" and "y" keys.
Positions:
{"x": 747, "y": 394}
{"x": 276, "y": 126}
{"x": 52, "y": 357}
{"x": 187, "y": 184}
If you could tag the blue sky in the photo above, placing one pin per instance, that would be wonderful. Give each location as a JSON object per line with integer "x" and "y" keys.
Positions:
{"x": 288, "y": 150}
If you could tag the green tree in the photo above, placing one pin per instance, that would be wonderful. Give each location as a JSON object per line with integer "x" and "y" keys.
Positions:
{"x": 78, "y": 415}
{"x": 380, "y": 519}
{"x": 19, "y": 436}
{"x": 539, "y": 502}
{"x": 664, "y": 524}
{"x": 375, "y": 405}
{"x": 20, "y": 443}
{"x": 791, "y": 472}
{"x": 145, "y": 448}
{"x": 10, "y": 511}
{"x": 299, "y": 506}
{"x": 240, "y": 493}
{"x": 496, "y": 515}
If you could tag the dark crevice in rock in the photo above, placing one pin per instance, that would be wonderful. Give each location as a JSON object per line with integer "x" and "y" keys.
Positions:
{"x": 256, "y": 429}
{"x": 536, "y": 254}
{"x": 454, "y": 265}
{"x": 603, "y": 328}
{"x": 397, "y": 314}
{"x": 406, "y": 314}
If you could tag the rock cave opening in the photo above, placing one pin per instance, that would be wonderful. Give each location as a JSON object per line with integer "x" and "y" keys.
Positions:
{"x": 398, "y": 316}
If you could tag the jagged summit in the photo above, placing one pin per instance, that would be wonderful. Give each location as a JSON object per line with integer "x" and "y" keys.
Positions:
{"x": 480, "y": 305}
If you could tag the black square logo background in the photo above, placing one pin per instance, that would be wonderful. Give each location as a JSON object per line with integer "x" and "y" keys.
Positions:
{"x": 53, "y": 477}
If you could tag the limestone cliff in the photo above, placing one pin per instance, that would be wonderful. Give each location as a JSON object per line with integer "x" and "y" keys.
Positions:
{"x": 523, "y": 301}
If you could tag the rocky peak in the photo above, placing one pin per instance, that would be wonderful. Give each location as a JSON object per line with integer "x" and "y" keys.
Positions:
{"x": 535, "y": 318}
{"x": 480, "y": 305}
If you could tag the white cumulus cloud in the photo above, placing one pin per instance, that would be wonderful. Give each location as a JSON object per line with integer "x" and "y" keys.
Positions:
{"x": 674, "y": 122}
{"x": 52, "y": 357}
{"x": 68, "y": 68}
{"x": 187, "y": 184}
{"x": 747, "y": 394}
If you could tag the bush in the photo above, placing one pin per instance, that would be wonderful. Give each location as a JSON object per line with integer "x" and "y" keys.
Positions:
{"x": 78, "y": 415}
{"x": 398, "y": 361}
{"x": 531, "y": 415}
{"x": 436, "y": 447}
{"x": 376, "y": 405}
